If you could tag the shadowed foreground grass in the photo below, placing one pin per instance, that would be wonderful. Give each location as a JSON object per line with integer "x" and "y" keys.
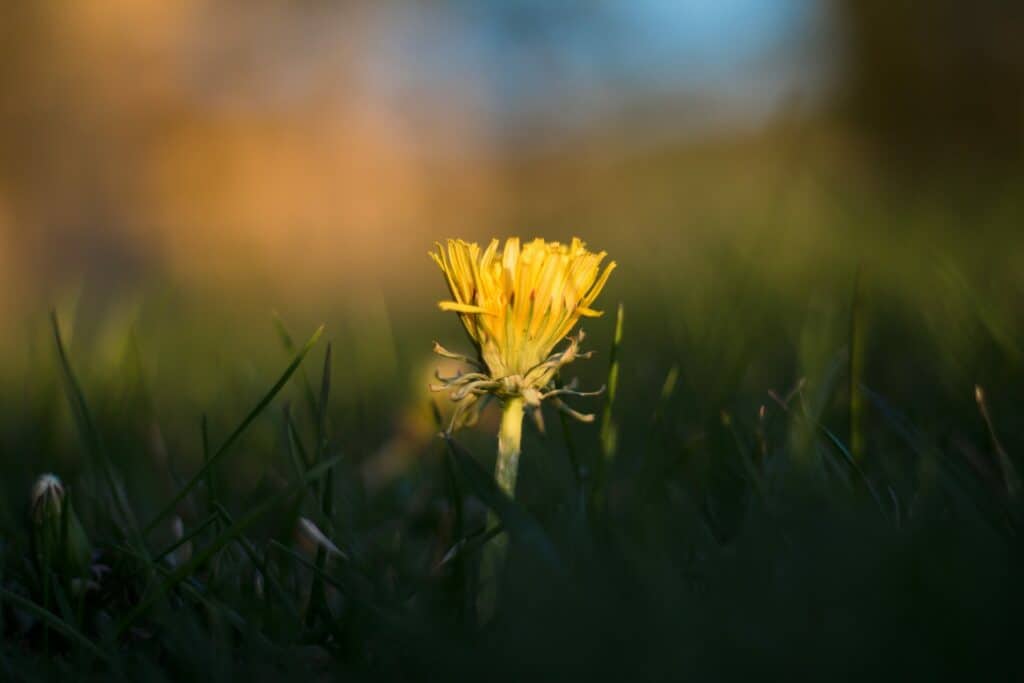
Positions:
{"x": 823, "y": 534}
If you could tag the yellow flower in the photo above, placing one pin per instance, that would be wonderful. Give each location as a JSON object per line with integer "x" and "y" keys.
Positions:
{"x": 517, "y": 304}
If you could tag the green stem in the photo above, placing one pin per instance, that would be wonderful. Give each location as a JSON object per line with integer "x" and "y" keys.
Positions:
{"x": 505, "y": 470}
{"x": 509, "y": 440}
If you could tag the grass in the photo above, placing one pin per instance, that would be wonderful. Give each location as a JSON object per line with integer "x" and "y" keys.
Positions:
{"x": 775, "y": 488}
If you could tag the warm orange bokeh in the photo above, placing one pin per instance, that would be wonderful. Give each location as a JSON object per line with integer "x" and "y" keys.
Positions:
{"x": 217, "y": 147}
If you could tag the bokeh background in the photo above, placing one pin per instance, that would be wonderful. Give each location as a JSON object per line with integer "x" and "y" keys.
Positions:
{"x": 171, "y": 174}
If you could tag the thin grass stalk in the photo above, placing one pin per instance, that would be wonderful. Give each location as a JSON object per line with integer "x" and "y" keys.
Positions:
{"x": 856, "y": 371}
{"x": 609, "y": 431}
{"x": 318, "y": 596}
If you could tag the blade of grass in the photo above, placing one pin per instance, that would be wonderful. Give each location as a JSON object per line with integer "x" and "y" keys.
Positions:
{"x": 253, "y": 414}
{"x": 300, "y": 466}
{"x": 297, "y": 455}
{"x": 451, "y": 478}
{"x": 609, "y": 434}
{"x": 578, "y": 469}
{"x": 289, "y": 346}
{"x": 856, "y": 371}
{"x": 468, "y": 545}
{"x": 199, "y": 597}
{"x": 958, "y": 479}
{"x": 317, "y": 595}
{"x": 225, "y": 537}
{"x": 261, "y": 566}
{"x": 1011, "y": 480}
{"x": 211, "y": 475}
{"x": 293, "y": 432}
{"x": 460, "y": 572}
{"x": 66, "y": 613}
{"x": 668, "y": 389}
{"x": 348, "y": 591}
{"x": 3, "y": 620}
{"x": 187, "y": 537}
{"x": 521, "y": 525}
{"x": 53, "y": 621}
{"x": 88, "y": 431}
{"x": 327, "y": 502}
{"x": 851, "y": 461}
{"x": 743, "y": 451}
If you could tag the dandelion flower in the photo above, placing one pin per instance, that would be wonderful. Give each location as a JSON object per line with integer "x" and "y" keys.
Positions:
{"x": 517, "y": 303}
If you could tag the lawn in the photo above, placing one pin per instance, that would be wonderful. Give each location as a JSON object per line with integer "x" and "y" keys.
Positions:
{"x": 806, "y": 464}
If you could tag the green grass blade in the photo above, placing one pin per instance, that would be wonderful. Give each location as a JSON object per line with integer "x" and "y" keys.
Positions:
{"x": 87, "y": 428}
{"x": 261, "y": 565}
{"x": 228, "y": 535}
{"x": 298, "y": 464}
{"x": 211, "y": 475}
{"x": 962, "y": 483}
{"x": 320, "y": 573}
{"x": 1011, "y": 479}
{"x": 253, "y": 414}
{"x": 468, "y": 545}
{"x": 348, "y": 591}
{"x": 317, "y": 595}
{"x": 460, "y": 572}
{"x": 288, "y": 343}
{"x": 187, "y": 537}
{"x": 53, "y": 621}
{"x": 327, "y": 504}
{"x": 520, "y": 524}
{"x": 609, "y": 435}
{"x": 856, "y": 370}
{"x": 851, "y": 461}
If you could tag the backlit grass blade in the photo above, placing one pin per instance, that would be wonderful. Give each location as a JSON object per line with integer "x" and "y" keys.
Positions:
{"x": 253, "y": 414}
{"x": 609, "y": 434}
{"x": 288, "y": 343}
{"x": 609, "y": 430}
{"x": 1011, "y": 479}
{"x": 87, "y": 428}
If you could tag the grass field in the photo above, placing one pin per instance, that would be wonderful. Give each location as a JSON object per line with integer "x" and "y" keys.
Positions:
{"x": 794, "y": 476}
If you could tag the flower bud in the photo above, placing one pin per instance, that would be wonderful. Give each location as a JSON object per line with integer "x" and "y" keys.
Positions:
{"x": 58, "y": 538}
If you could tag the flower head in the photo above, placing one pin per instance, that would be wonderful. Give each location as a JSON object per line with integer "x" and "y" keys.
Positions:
{"x": 57, "y": 535}
{"x": 517, "y": 303}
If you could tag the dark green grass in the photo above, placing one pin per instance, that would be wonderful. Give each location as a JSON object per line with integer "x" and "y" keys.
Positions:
{"x": 864, "y": 524}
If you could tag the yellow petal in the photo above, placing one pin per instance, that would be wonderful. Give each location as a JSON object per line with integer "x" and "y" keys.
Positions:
{"x": 460, "y": 308}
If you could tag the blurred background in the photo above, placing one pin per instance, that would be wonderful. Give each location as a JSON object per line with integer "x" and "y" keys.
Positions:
{"x": 173, "y": 173}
